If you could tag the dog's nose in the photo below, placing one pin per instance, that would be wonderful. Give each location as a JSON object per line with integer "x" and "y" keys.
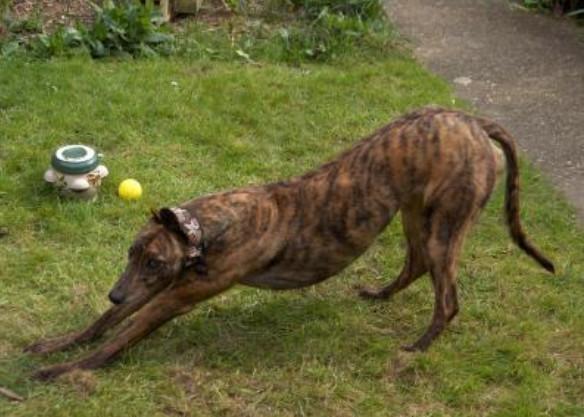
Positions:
{"x": 115, "y": 297}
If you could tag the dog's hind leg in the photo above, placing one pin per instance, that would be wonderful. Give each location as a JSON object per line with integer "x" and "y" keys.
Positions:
{"x": 414, "y": 266}
{"x": 447, "y": 229}
{"x": 112, "y": 317}
{"x": 452, "y": 302}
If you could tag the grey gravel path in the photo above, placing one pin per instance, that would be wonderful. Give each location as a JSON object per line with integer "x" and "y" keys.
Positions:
{"x": 522, "y": 69}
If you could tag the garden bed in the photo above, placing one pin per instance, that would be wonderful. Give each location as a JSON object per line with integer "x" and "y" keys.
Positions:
{"x": 52, "y": 13}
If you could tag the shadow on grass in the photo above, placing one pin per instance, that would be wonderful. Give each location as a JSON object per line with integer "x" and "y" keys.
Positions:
{"x": 250, "y": 330}
{"x": 281, "y": 331}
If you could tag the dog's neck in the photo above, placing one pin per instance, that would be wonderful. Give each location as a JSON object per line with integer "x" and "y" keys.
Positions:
{"x": 212, "y": 221}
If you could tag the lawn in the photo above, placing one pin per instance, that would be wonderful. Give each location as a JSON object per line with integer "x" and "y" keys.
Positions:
{"x": 187, "y": 127}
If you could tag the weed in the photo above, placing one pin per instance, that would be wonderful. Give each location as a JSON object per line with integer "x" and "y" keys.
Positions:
{"x": 126, "y": 27}
{"x": 318, "y": 31}
{"x": 25, "y": 26}
{"x": 333, "y": 28}
{"x": 327, "y": 37}
{"x": 64, "y": 41}
{"x": 331, "y": 35}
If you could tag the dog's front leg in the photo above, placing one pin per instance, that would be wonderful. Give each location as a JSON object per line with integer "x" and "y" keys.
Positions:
{"x": 164, "y": 307}
{"x": 146, "y": 321}
{"x": 112, "y": 317}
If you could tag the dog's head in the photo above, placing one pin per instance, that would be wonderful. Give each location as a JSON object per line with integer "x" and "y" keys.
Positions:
{"x": 162, "y": 251}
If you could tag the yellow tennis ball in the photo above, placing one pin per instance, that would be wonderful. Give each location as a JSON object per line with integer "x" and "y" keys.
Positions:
{"x": 130, "y": 189}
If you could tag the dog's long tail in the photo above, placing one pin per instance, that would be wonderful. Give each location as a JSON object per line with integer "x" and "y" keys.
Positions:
{"x": 503, "y": 138}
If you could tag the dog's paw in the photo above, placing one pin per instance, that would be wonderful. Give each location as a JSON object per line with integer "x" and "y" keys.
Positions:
{"x": 410, "y": 348}
{"x": 371, "y": 294}
{"x": 44, "y": 347}
{"x": 419, "y": 346}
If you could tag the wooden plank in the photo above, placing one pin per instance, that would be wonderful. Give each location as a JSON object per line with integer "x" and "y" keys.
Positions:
{"x": 166, "y": 7}
{"x": 188, "y": 6}
{"x": 10, "y": 394}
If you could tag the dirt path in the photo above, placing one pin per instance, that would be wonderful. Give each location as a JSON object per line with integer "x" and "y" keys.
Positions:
{"x": 522, "y": 69}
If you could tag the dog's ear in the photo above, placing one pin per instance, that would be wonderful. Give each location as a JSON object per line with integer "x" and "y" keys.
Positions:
{"x": 168, "y": 219}
{"x": 183, "y": 223}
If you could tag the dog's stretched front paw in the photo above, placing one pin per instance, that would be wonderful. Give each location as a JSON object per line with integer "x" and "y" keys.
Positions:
{"x": 52, "y": 372}
{"x": 44, "y": 347}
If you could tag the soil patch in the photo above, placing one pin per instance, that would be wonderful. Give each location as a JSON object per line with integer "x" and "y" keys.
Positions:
{"x": 53, "y": 13}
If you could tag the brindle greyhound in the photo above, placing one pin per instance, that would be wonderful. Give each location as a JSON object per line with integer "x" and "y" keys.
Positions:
{"x": 438, "y": 167}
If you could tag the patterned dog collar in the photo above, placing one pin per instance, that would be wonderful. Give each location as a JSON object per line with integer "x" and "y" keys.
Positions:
{"x": 190, "y": 226}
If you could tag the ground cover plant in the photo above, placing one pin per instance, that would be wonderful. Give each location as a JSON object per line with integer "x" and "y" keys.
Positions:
{"x": 122, "y": 28}
{"x": 293, "y": 32}
{"x": 194, "y": 124}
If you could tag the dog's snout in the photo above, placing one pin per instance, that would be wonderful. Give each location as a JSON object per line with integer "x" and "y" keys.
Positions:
{"x": 116, "y": 297}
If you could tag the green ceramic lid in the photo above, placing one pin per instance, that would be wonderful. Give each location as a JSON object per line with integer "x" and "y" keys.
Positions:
{"x": 75, "y": 159}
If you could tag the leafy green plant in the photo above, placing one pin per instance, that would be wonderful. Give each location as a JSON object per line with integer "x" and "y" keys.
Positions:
{"x": 11, "y": 30}
{"x": 329, "y": 35}
{"x": 334, "y": 27}
{"x": 127, "y": 27}
{"x": 30, "y": 25}
{"x": 304, "y": 30}
{"x": 328, "y": 31}
{"x": 64, "y": 41}
{"x": 8, "y": 48}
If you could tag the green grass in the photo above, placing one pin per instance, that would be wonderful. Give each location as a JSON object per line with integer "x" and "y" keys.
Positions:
{"x": 514, "y": 350}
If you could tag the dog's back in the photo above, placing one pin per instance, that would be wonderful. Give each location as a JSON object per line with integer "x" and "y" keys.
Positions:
{"x": 332, "y": 214}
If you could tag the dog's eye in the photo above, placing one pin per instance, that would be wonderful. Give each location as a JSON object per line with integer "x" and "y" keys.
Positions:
{"x": 153, "y": 264}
